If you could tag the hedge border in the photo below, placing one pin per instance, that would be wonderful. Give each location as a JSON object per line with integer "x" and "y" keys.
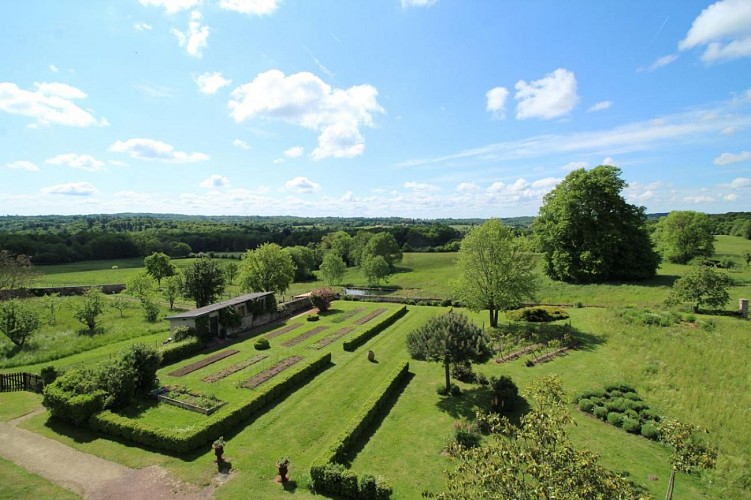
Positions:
{"x": 359, "y": 339}
{"x": 218, "y": 424}
{"x": 172, "y": 353}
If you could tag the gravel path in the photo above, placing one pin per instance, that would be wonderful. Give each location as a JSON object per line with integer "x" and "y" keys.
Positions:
{"x": 88, "y": 475}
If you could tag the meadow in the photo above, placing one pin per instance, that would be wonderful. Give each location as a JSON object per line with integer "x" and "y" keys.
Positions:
{"x": 695, "y": 369}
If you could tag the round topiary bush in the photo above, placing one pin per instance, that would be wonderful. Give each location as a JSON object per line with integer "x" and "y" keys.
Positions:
{"x": 631, "y": 425}
{"x": 597, "y": 401}
{"x": 615, "y": 418}
{"x": 537, "y": 314}
{"x": 631, "y": 414}
{"x": 600, "y": 412}
{"x": 586, "y": 405}
{"x": 615, "y": 394}
{"x": 648, "y": 414}
{"x": 632, "y": 396}
{"x": 617, "y": 404}
{"x": 650, "y": 431}
{"x": 313, "y": 317}
{"x": 262, "y": 344}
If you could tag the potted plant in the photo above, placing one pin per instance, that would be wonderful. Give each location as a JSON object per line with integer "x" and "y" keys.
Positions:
{"x": 219, "y": 449}
{"x": 281, "y": 466}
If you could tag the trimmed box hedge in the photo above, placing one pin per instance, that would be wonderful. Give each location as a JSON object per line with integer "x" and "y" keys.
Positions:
{"x": 358, "y": 340}
{"x": 172, "y": 353}
{"x": 218, "y": 424}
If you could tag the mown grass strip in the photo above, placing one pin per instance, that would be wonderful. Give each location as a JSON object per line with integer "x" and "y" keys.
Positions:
{"x": 282, "y": 331}
{"x": 202, "y": 363}
{"x": 331, "y": 338}
{"x": 304, "y": 336}
{"x": 370, "y": 315}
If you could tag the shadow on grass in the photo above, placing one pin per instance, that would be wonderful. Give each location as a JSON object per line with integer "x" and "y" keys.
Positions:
{"x": 464, "y": 405}
{"x": 360, "y": 443}
{"x": 91, "y": 332}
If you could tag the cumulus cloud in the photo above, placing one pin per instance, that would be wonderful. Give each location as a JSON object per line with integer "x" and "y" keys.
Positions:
{"x": 143, "y": 27}
{"x": 150, "y": 149}
{"x": 195, "y": 38}
{"x": 724, "y": 28}
{"x": 294, "y": 152}
{"x": 421, "y": 186}
{"x": 171, "y": 6}
{"x": 302, "y": 185}
{"x": 210, "y": 83}
{"x": 73, "y": 160}
{"x": 215, "y": 181}
{"x": 520, "y": 191}
{"x": 240, "y": 144}
{"x": 23, "y": 165}
{"x": 54, "y": 68}
{"x": 574, "y": 165}
{"x": 698, "y": 199}
{"x": 417, "y": 3}
{"x": 466, "y": 187}
{"x": 728, "y": 158}
{"x": 740, "y": 182}
{"x": 47, "y": 104}
{"x": 497, "y": 101}
{"x": 600, "y": 106}
{"x": 305, "y": 100}
{"x": 254, "y": 7}
{"x": 608, "y": 160}
{"x": 660, "y": 62}
{"x": 71, "y": 189}
{"x": 496, "y": 187}
{"x": 552, "y": 96}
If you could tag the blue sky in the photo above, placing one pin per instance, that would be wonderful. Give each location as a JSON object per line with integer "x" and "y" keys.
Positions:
{"x": 414, "y": 108}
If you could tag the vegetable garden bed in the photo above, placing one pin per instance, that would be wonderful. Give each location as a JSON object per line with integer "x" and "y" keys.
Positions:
{"x": 331, "y": 338}
{"x": 234, "y": 368}
{"x": 275, "y": 370}
{"x": 204, "y": 362}
{"x": 304, "y": 336}
{"x": 370, "y": 316}
{"x": 181, "y": 397}
{"x": 282, "y": 331}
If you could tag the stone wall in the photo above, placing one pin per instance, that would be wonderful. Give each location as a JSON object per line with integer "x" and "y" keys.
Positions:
{"x": 65, "y": 291}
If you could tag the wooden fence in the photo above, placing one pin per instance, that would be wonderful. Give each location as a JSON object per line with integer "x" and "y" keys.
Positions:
{"x": 21, "y": 382}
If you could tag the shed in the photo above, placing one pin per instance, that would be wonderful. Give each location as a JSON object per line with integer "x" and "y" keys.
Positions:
{"x": 250, "y": 308}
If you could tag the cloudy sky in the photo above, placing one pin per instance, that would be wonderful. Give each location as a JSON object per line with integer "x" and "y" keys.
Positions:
{"x": 415, "y": 108}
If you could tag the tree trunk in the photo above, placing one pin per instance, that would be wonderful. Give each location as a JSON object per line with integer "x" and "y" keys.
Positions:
{"x": 446, "y": 365}
{"x": 493, "y": 318}
{"x": 671, "y": 481}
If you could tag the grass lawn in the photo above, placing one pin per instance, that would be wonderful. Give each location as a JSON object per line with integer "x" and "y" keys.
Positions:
{"x": 19, "y": 484}
{"x": 18, "y": 404}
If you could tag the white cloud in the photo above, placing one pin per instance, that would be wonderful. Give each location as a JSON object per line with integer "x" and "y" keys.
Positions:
{"x": 497, "y": 187}
{"x": 724, "y": 28}
{"x": 54, "y": 68}
{"x": 240, "y": 144}
{"x": 740, "y": 182}
{"x": 608, "y": 160}
{"x": 520, "y": 185}
{"x": 143, "y": 27}
{"x": 600, "y": 106}
{"x": 154, "y": 91}
{"x": 23, "y": 165}
{"x": 421, "y": 186}
{"x": 547, "y": 183}
{"x": 728, "y": 158}
{"x": 305, "y": 100}
{"x": 215, "y": 181}
{"x": 150, "y": 149}
{"x": 302, "y": 185}
{"x": 348, "y": 197}
{"x": 255, "y": 7}
{"x": 731, "y": 197}
{"x": 552, "y": 96}
{"x": 171, "y": 6}
{"x": 466, "y": 187}
{"x": 73, "y": 160}
{"x": 210, "y": 83}
{"x": 497, "y": 101}
{"x": 195, "y": 38}
{"x": 417, "y": 3}
{"x": 698, "y": 199}
{"x": 660, "y": 62}
{"x": 294, "y": 152}
{"x": 574, "y": 165}
{"x": 49, "y": 103}
{"x": 71, "y": 189}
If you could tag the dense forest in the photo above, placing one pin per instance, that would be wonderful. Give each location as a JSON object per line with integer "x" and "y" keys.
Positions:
{"x": 52, "y": 239}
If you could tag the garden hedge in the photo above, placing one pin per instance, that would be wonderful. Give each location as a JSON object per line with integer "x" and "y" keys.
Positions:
{"x": 358, "y": 340}
{"x": 218, "y": 424}
{"x": 172, "y": 353}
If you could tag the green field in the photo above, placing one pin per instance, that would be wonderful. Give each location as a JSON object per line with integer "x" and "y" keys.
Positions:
{"x": 696, "y": 371}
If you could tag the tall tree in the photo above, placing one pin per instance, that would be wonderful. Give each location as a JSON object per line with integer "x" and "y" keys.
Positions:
{"x": 16, "y": 270}
{"x": 374, "y": 268}
{"x": 496, "y": 270}
{"x": 448, "y": 339}
{"x": 588, "y": 233}
{"x": 172, "y": 287}
{"x": 305, "y": 260}
{"x": 683, "y": 235}
{"x": 384, "y": 245}
{"x": 701, "y": 285}
{"x": 18, "y": 321}
{"x": 268, "y": 268}
{"x": 159, "y": 266}
{"x": 690, "y": 452}
{"x": 332, "y": 268}
{"x": 90, "y": 307}
{"x": 339, "y": 242}
{"x": 140, "y": 285}
{"x": 203, "y": 281}
{"x": 535, "y": 460}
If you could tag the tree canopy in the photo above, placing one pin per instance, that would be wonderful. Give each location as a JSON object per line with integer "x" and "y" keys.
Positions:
{"x": 496, "y": 270}
{"x": 159, "y": 266}
{"x": 203, "y": 281}
{"x": 16, "y": 271}
{"x": 268, "y": 268}
{"x": 589, "y": 233}
{"x": 449, "y": 338}
{"x": 18, "y": 321}
{"x": 333, "y": 268}
{"x": 682, "y": 235}
{"x": 702, "y": 286}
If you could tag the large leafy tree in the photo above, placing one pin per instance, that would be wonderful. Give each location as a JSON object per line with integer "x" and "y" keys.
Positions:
{"x": 450, "y": 338}
{"x": 268, "y": 268}
{"x": 203, "y": 281}
{"x": 535, "y": 460}
{"x": 16, "y": 271}
{"x": 496, "y": 270}
{"x": 305, "y": 260}
{"x": 683, "y": 235}
{"x": 702, "y": 286}
{"x": 159, "y": 266}
{"x": 18, "y": 321}
{"x": 383, "y": 245}
{"x": 374, "y": 269}
{"x": 340, "y": 243}
{"x": 333, "y": 268}
{"x": 589, "y": 233}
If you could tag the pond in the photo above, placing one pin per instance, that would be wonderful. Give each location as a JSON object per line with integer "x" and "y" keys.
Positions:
{"x": 368, "y": 291}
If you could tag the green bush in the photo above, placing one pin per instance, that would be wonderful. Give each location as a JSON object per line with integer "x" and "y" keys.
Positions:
{"x": 631, "y": 414}
{"x": 505, "y": 393}
{"x": 463, "y": 372}
{"x": 631, "y": 425}
{"x": 49, "y": 374}
{"x": 586, "y": 405}
{"x": 537, "y": 314}
{"x": 322, "y": 298}
{"x": 648, "y": 414}
{"x": 466, "y": 435}
{"x": 619, "y": 387}
{"x": 632, "y": 396}
{"x": 312, "y": 317}
{"x": 374, "y": 488}
{"x": 183, "y": 333}
{"x": 455, "y": 390}
{"x": 334, "y": 479}
{"x": 615, "y": 418}
{"x": 172, "y": 353}
{"x": 482, "y": 379}
{"x": 650, "y": 431}
{"x": 262, "y": 344}
{"x": 618, "y": 404}
{"x": 355, "y": 342}
{"x": 600, "y": 412}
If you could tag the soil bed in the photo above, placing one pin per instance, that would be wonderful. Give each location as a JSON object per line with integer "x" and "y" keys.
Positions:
{"x": 204, "y": 362}
{"x": 518, "y": 354}
{"x": 282, "y": 331}
{"x": 278, "y": 368}
{"x": 304, "y": 336}
{"x": 330, "y": 338}
{"x": 234, "y": 368}
{"x": 370, "y": 316}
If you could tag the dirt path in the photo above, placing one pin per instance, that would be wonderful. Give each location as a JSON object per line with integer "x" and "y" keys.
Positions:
{"x": 88, "y": 475}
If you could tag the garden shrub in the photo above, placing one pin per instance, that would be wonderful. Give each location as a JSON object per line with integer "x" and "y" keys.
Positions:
{"x": 631, "y": 414}
{"x": 505, "y": 393}
{"x": 355, "y": 342}
{"x": 466, "y": 435}
{"x": 262, "y": 344}
{"x": 312, "y": 317}
{"x": 618, "y": 404}
{"x": 649, "y": 414}
{"x": 334, "y": 479}
{"x": 322, "y": 298}
{"x": 650, "y": 431}
{"x": 183, "y": 333}
{"x": 537, "y": 314}
{"x": 482, "y": 379}
{"x": 632, "y": 396}
{"x": 586, "y": 405}
{"x": 631, "y": 425}
{"x": 600, "y": 412}
{"x": 172, "y": 353}
{"x": 619, "y": 387}
{"x": 455, "y": 390}
{"x": 49, "y": 374}
{"x": 463, "y": 372}
{"x": 374, "y": 488}
{"x": 615, "y": 418}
